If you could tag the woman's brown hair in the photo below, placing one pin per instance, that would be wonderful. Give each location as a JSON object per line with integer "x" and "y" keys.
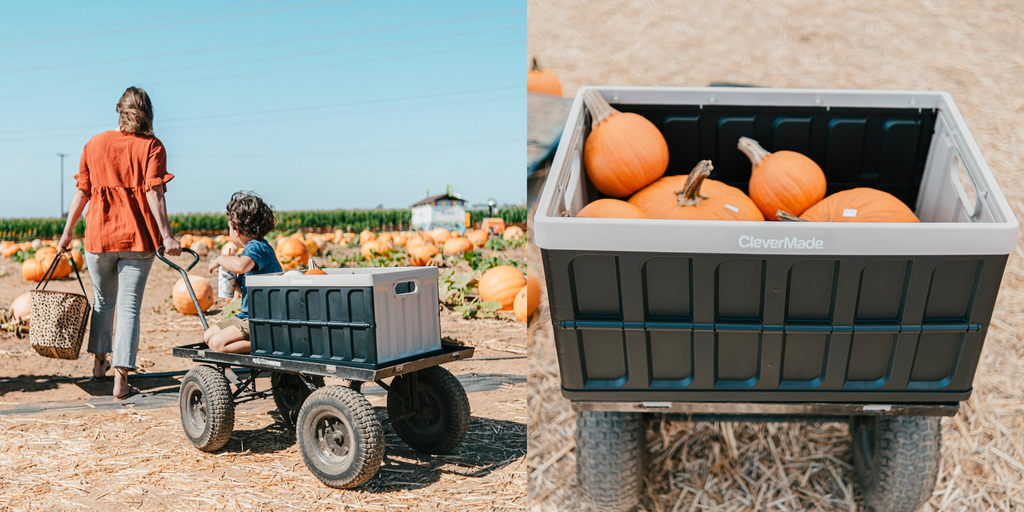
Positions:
{"x": 136, "y": 112}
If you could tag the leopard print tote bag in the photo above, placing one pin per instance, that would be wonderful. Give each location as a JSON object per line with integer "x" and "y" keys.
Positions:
{"x": 58, "y": 318}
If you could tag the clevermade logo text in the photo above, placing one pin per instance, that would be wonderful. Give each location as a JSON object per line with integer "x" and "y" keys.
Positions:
{"x": 792, "y": 242}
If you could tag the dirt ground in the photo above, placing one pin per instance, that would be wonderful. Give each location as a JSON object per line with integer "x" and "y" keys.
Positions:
{"x": 66, "y": 445}
{"x": 970, "y": 49}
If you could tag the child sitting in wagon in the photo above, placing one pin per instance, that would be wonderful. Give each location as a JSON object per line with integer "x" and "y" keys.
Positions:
{"x": 249, "y": 221}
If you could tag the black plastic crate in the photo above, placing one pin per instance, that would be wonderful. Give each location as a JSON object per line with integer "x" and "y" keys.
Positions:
{"x": 356, "y": 317}
{"x": 658, "y": 310}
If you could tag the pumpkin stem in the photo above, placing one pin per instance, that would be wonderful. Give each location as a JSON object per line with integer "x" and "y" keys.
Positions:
{"x": 535, "y": 67}
{"x": 599, "y": 108}
{"x": 786, "y": 216}
{"x": 752, "y": 149}
{"x": 690, "y": 194}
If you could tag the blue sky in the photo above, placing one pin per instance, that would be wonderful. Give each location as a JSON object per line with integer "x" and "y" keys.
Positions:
{"x": 314, "y": 104}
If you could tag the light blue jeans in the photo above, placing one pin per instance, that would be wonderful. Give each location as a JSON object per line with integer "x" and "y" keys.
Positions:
{"x": 118, "y": 282}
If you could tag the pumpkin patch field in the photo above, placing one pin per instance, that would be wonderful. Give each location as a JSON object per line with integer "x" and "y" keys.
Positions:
{"x": 672, "y": 172}
{"x": 83, "y": 431}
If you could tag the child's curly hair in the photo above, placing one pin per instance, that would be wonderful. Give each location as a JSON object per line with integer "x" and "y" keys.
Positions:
{"x": 250, "y": 215}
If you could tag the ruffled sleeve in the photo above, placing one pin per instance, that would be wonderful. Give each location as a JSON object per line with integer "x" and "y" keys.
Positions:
{"x": 156, "y": 167}
{"x": 82, "y": 178}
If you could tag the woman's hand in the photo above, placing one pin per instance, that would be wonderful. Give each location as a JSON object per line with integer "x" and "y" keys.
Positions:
{"x": 65, "y": 241}
{"x": 171, "y": 246}
{"x": 214, "y": 265}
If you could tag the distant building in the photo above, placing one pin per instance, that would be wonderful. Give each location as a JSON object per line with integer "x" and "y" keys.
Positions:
{"x": 446, "y": 210}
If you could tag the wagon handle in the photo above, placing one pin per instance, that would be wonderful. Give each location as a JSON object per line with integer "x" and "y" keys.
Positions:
{"x": 188, "y": 284}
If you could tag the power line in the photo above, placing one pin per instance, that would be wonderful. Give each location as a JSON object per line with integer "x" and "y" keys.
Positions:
{"x": 179, "y": 23}
{"x": 301, "y": 68}
{"x": 402, "y": 26}
{"x": 115, "y": 23}
{"x": 388, "y": 149}
{"x": 272, "y": 27}
{"x": 293, "y": 108}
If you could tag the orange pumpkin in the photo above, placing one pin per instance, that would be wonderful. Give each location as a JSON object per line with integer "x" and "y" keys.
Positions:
{"x": 10, "y": 250}
{"x": 439, "y": 235}
{"x": 291, "y": 253}
{"x": 693, "y": 197}
{"x": 416, "y": 241}
{"x": 860, "y": 205}
{"x": 458, "y": 245}
{"x": 366, "y": 236}
{"x": 783, "y": 180}
{"x": 381, "y": 248}
{"x": 298, "y": 235}
{"x": 44, "y": 252}
{"x": 33, "y": 270}
{"x": 63, "y": 267}
{"x": 229, "y": 249}
{"x": 385, "y": 237}
{"x": 312, "y": 246}
{"x": 478, "y": 237}
{"x": 421, "y": 255}
{"x": 185, "y": 241}
{"x": 521, "y": 305}
{"x": 544, "y": 82}
{"x": 501, "y": 284}
{"x": 183, "y": 301}
{"x": 611, "y": 209}
{"x": 513, "y": 233}
{"x": 533, "y": 293}
{"x": 314, "y": 270}
{"x": 399, "y": 239}
{"x": 21, "y": 307}
{"x": 624, "y": 151}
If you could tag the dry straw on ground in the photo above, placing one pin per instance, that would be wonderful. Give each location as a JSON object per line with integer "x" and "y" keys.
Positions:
{"x": 972, "y": 50}
{"x": 140, "y": 460}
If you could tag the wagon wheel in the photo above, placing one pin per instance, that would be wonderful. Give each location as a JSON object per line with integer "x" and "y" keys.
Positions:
{"x": 609, "y": 459}
{"x": 896, "y": 459}
{"x": 290, "y": 391}
{"x": 207, "y": 408}
{"x": 442, "y": 419}
{"x": 340, "y": 437}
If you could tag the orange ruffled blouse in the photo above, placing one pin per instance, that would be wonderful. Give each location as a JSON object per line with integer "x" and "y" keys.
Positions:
{"x": 116, "y": 171}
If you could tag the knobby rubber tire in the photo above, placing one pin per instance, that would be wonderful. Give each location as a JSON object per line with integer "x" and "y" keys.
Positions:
{"x": 452, "y": 422}
{"x": 896, "y": 460}
{"x": 219, "y": 407}
{"x": 367, "y": 451}
{"x": 609, "y": 459}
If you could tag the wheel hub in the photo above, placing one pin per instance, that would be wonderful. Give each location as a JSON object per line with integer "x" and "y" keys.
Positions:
{"x": 333, "y": 441}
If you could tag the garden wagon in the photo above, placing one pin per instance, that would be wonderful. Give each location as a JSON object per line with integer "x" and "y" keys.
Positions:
{"x": 304, "y": 330}
{"x": 879, "y": 326}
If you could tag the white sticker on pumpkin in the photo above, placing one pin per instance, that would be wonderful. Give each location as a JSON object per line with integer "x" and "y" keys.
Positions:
{"x": 731, "y": 207}
{"x": 849, "y": 212}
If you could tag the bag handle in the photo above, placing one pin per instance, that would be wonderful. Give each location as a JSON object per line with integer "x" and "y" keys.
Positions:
{"x": 53, "y": 268}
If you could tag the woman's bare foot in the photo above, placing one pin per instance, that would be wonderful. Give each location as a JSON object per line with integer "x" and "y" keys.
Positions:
{"x": 100, "y": 367}
{"x": 122, "y": 389}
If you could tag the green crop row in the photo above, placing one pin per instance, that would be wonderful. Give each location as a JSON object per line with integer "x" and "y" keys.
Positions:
{"x": 22, "y": 230}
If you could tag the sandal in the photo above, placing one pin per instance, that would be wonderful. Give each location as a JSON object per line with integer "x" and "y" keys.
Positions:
{"x": 106, "y": 368}
{"x": 132, "y": 390}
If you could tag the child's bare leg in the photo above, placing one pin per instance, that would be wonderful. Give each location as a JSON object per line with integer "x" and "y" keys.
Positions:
{"x": 229, "y": 340}
{"x": 209, "y": 333}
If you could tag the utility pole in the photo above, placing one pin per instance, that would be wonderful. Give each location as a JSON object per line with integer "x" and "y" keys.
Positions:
{"x": 62, "y": 155}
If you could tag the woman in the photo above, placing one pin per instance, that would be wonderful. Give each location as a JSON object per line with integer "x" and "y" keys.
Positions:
{"x": 122, "y": 173}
